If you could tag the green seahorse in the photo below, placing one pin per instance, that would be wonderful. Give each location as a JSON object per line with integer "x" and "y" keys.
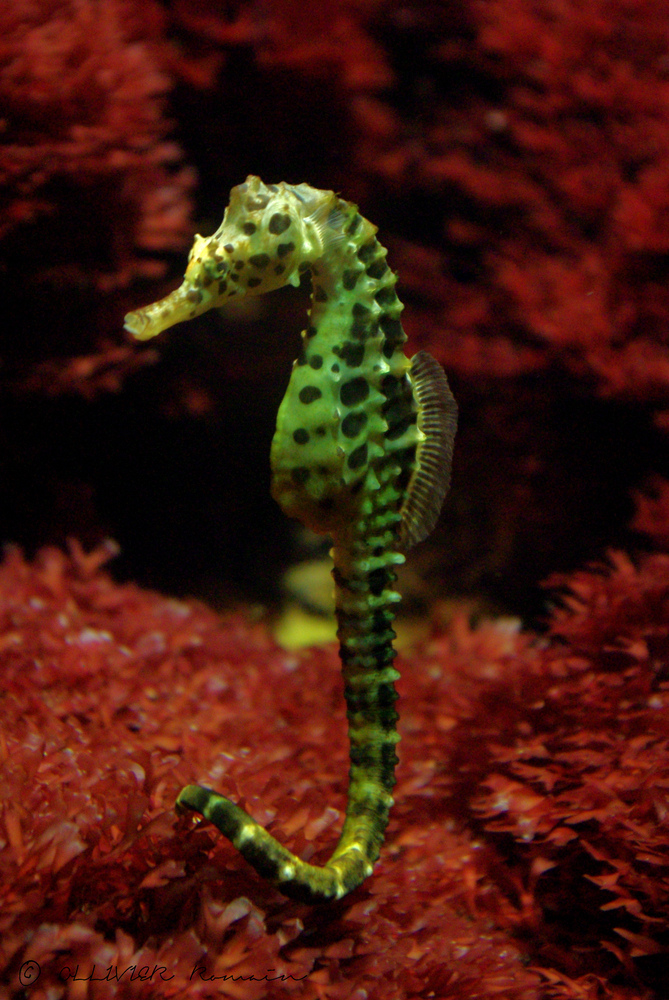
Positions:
{"x": 362, "y": 452}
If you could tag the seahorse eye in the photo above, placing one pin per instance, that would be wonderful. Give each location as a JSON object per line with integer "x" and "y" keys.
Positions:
{"x": 214, "y": 269}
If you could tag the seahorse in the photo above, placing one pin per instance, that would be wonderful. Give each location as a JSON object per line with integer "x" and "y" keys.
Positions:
{"x": 362, "y": 453}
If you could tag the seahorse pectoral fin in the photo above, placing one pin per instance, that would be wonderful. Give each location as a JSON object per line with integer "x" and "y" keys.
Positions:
{"x": 438, "y": 421}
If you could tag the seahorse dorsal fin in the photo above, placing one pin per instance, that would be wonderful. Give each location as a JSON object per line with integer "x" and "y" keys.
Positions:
{"x": 438, "y": 420}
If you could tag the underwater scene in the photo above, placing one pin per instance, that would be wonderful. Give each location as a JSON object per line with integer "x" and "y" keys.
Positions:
{"x": 334, "y": 499}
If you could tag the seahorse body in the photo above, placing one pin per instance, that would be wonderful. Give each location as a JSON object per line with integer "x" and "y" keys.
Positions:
{"x": 362, "y": 452}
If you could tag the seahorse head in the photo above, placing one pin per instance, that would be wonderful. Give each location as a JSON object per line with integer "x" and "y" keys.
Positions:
{"x": 268, "y": 232}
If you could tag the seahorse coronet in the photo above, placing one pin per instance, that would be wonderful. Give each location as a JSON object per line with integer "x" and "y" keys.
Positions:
{"x": 362, "y": 452}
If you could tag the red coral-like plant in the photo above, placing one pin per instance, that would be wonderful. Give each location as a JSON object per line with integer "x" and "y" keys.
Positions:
{"x": 81, "y": 88}
{"x": 530, "y": 139}
{"x": 114, "y": 698}
{"x": 530, "y": 818}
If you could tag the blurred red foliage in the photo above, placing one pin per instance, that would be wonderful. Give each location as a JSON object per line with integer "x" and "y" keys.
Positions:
{"x": 519, "y": 150}
{"x": 91, "y": 190}
{"x": 81, "y": 91}
{"x": 530, "y": 818}
{"x": 535, "y": 136}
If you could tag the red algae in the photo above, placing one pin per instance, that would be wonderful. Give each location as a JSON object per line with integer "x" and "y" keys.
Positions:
{"x": 527, "y": 853}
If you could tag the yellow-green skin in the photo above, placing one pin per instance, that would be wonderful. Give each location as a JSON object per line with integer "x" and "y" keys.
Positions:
{"x": 343, "y": 459}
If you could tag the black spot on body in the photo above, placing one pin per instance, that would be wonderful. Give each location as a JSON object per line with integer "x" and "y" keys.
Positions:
{"x": 222, "y": 287}
{"x": 239, "y": 264}
{"x": 229, "y": 247}
{"x": 316, "y": 361}
{"x": 285, "y": 248}
{"x": 358, "y": 457}
{"x": 354, "y": 225}
{"x": 221, "y": 814}
{"x": 310, "y": 393}
{"x": 249, "y": 228}
{"x": 396, "y": 430}
{"x": 352, "y": 353}
{"x": 353, "y": 423}
{"x": 355, "y": 391}
{"x": 320, "y": 295}
{"x": 386, "y": 695}
{"x": 254, "y": 282}
{"x": 382, "y": 618}
{"x": 357, "y": 701}
{"x": 394, "y": 335}
{"x": 362, "y": 329}
{"x": 388, "y": 756}
{"x": 388, "y": 720}
{"x": 311, "y": 331}
{"x": 363, "y": 325}
{"x": 368, "y": 807}
{"x": 259, "y": 260}
{"x": 256, "y": 855}
{"x": 386, "y": 654}
{"x": 349, "y": 279}
{"x": 393, "y": 387}
{"x": 301, "y": 435}
{"x": 194, "y": 296}
{"x": 398, "y": 409}
{"x": 377, "y": 269}
{"x": 280, "y": 268}
{"x": 389, "y": 761}
{"x": 334, "y": 368}
{"x": 234, "y": 277}
{"x": 386, "y": 296}
{"x": 368, "y": 250}
{"x": 378, "y": 580}
{"x": 278, "y": 224}
{"x": 363, "y": 757}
